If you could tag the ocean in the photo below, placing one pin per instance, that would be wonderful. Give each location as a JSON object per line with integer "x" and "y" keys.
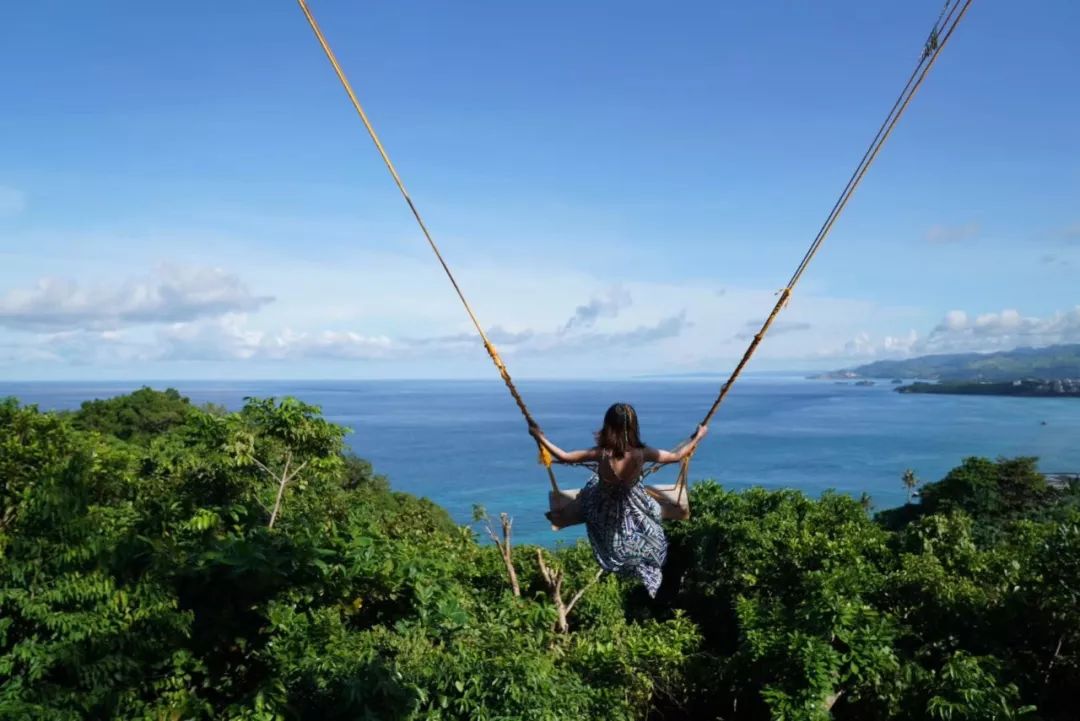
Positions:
{"x": 463, "y": 442}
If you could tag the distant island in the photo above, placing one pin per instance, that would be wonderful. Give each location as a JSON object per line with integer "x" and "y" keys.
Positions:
{"x": 1053, "y": 371}
{"x": 1029, "y": 388}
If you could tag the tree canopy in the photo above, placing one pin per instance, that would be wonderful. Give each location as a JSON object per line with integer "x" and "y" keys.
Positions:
{"x": 188, "y": 564}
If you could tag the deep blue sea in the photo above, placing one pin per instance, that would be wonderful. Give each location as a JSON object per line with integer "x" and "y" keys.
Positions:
{"x": 464, "y": 442}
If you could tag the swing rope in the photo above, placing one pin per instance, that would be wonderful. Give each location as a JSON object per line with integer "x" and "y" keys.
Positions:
{"x": 938, "y": 38}
{"x": 951, "y": 15}
{"x": 544, "y": 455}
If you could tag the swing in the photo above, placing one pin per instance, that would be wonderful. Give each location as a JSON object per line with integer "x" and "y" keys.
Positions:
{"x": 564, "y": 506}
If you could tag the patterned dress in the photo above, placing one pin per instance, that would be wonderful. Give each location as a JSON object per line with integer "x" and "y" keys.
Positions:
{"x": 623, "y": 522}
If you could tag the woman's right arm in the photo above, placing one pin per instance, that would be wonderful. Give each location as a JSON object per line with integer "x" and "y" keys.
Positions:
{"x": 659, "y": 455}
{"x": 588, "y": 454}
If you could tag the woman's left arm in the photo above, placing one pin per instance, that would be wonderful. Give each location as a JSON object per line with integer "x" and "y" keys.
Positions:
{"x": 588, "y": 454}
{"x": 658, "y": 455}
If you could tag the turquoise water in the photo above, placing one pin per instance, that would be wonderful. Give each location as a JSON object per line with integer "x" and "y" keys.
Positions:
{"x": 463, "y": 442}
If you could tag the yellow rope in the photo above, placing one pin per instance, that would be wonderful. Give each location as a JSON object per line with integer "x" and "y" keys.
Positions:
{"x": 933, "y": 48}
{"x": 544, "y": 455}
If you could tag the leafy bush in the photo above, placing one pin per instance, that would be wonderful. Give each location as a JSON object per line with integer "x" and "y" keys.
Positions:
{"x": 240, "y": 566}
{"x": 134, "y": 417}
{"x": 191, "y": 563}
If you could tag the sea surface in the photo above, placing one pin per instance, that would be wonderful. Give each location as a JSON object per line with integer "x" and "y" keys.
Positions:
{"x": 463, "y": 442}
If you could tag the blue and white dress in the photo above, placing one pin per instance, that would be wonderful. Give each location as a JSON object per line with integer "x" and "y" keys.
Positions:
{"x": 623, "y": 522}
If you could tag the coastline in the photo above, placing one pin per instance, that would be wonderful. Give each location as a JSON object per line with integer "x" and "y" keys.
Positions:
{"x": 1029, "y": 388}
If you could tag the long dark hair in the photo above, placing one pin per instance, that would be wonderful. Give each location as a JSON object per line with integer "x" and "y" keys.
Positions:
{"x": 620, "y": 432}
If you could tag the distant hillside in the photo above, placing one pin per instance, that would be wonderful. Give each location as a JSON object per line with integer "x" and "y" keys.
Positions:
{"x": 1066, "y": 388}
{"x": 1056, "y": 362}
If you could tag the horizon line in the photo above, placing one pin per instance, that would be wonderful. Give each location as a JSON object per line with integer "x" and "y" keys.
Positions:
{"x": 704, "y": 375}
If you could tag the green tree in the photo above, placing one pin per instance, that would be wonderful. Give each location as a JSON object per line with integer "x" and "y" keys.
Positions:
{"x": 989, "y": 490}
{"x": 142, "y": 580}
{"x": 289, "y": 443}
{"x": 138, "y": 416}
{"x": 83, "y": 631}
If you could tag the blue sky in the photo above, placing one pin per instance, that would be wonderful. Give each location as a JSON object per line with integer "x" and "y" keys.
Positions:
{"x": 621, "y": 187}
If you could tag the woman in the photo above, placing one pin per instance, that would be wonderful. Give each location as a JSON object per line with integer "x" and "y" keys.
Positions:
{"x": 623, "y": 520}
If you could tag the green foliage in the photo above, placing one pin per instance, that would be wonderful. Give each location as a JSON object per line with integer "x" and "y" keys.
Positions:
{"x": 140, "y": 578}
{"x": 992, "y": 493}
{"x": 135, "y": 417}
{"x": 966, "y": 689}
{"x": 811, "y": 611}
{"x": 82, "y": 630}
{"x": 783, "y": 587}
{"x": 988, "y": 490}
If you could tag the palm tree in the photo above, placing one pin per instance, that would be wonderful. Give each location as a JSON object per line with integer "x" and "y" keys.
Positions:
{"x": 910, "y": 483}
{"x": 866, "y": 502}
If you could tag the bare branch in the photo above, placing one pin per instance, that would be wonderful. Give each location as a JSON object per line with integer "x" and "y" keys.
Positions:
{"x": 277, "y": 502}
{"x": 543, "y": 566}
{"x": 267, "y": 470}
{"x": 505, "y": 550}
{"x": 586, "y": 587}
{"x": 554, "y": 578}
{"x": 296, "y": 471}
{"x": 491, "y": 533}
{"x": 1053, "y": 660}
{"x": 282, "y": 482}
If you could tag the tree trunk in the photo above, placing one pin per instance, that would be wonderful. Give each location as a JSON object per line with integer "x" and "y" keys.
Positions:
{"x": 554, "y": 579}
{"x": 505, "y": 550}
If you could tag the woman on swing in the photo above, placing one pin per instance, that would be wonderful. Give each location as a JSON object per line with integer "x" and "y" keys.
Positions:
{"x": 623, "y": 521}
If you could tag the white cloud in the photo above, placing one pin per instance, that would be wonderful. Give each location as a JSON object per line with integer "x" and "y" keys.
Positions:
{"x": 12, "y": 201}
{"x": 607, "y": 306}
{"x": 953, "y": 320}
{"x": 863, "y": 346}
{"x": 229, "y": 338}
{"x": 547, "y": 320}
{"x": 959, "y": 332}
{"x": 173, "y": 293}
{"x": 1002, "y": 330}
{"x": 640, "y": 336}
{"x": 953, "y": 233}
{"x": 76, "y": 347}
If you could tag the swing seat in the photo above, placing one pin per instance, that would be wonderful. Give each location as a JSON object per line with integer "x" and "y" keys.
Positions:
{"x": 565, "y": 506}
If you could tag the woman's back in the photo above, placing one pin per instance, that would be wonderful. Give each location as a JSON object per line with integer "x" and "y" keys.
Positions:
{"x": 624, "y": 470}
{"x": 622, "y": 520}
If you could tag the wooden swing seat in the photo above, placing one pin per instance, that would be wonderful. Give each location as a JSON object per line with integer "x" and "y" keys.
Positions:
{"x": 565, "y": 507}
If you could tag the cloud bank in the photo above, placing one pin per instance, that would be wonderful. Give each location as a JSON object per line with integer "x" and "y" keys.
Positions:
{"x": 547, "y": 324}
{"x": 960, "y": 332}
{"x": 172, "y": 294}
{"x": 230, "y": 338}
